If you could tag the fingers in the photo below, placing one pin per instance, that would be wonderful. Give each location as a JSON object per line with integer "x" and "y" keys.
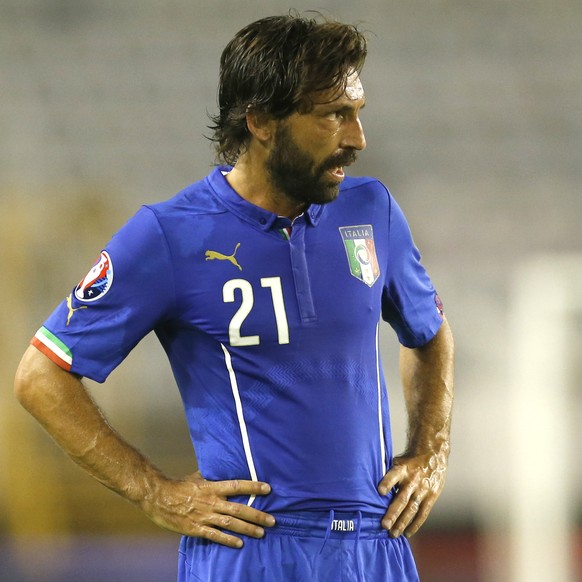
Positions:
{"x": 219, "y": 537}
{"x": 418, "y": 519}
{"x": 220, "y": 527}
{"x": 403, "y": 508}
{"x": 234, "y": 517}
{"x": 408, "y": 511}
{"x": 417, "y": 485}
{"x": 394, "y": 476}
{"x": 234, "y": 487}
{"x": 200, "y": 508}
{"x": 241, "y": 512}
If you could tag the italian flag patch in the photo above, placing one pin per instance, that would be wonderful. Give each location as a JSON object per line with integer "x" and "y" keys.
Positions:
{"x": 52, "y": 347}
{"x": 361, "y": 252}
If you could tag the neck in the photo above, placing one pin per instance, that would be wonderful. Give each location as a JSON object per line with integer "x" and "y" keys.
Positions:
{"x": 252, "y": 183}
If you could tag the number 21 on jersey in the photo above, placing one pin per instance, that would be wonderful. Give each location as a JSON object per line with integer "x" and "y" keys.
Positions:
{"x": 246, "y": 306}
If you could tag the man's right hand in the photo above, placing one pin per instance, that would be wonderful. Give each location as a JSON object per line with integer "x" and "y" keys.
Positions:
{"x": 200, "y": 508}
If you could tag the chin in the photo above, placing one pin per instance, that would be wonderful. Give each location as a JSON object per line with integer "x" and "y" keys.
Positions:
{"x": 322, "y": 193}
{"x": 329, "y": 194}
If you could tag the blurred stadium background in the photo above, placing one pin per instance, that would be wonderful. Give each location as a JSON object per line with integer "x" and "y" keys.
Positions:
{"x": 474, "y": 121}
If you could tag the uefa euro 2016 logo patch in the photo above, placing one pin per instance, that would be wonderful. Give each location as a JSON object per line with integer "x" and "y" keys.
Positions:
{"x": 361, "y": 252}
{"x": 97, "y": 281}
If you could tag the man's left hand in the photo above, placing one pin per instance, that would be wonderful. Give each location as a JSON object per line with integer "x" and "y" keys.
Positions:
{"x": 419, "y": 481}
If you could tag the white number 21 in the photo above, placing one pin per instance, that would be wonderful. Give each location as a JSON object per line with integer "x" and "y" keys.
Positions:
{"x": 247, "y": 303}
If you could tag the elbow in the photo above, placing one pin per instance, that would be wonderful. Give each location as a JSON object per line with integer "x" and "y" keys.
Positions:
{"x": 34, "y": 378}
{"x": 41, "y": 386}
{"x": 26, "y": 378}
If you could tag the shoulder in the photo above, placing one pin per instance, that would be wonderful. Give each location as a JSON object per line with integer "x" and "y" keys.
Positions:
{"x": 362, "y": 182}
{"x": 365, "y": 185}
{"x": 365, "y": 190}
{"x": 372, "y": 195}
{"x": 170, "y": 218}
{"x": 196, "y": 199}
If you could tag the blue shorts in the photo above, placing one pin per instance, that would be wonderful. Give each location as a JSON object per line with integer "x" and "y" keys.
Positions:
{"x": 304, "y": 547}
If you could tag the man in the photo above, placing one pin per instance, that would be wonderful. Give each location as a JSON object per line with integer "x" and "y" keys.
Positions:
{"x": 265, "y": 283}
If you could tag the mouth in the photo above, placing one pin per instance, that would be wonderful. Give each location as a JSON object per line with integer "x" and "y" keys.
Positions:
{"x": 336, "y": 165}
{"x": 337, "y": 173}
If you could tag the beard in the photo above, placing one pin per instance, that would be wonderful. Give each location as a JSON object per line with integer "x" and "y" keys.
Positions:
{"x": 294, "y": 173}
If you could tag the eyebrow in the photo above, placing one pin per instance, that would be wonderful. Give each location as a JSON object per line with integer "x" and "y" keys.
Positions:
{"x": 342, "y": 103}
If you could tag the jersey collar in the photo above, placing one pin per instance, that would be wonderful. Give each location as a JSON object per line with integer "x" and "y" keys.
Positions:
{"x": 257, "y": 216}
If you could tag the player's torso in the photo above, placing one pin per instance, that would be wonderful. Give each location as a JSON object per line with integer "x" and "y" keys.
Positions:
{"x": 286, "y": 329}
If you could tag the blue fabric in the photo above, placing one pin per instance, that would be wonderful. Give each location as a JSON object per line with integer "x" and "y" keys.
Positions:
{"x": 304, "y": 548}
{"x": 273, "y": 342}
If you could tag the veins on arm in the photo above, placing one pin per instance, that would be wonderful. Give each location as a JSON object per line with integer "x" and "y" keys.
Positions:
{"x": 427, "y": 379}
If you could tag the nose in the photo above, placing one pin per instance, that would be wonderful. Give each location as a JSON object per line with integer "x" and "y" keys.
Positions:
{"x": 354, "y": 135}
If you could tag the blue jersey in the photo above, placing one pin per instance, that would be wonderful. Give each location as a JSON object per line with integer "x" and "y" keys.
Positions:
{"x": 271, "y": 329}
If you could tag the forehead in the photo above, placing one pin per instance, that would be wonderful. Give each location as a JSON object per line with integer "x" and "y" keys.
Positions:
{"x": 353, "y": 91}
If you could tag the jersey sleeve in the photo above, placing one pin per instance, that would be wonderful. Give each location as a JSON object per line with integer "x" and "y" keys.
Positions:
{"x": 410, "y": 303}
{"x": 125, "y": 295}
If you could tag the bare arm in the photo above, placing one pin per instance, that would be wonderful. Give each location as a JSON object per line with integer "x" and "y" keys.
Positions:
{"x": 419, "y": 473}
{"x": 195, "y": 507}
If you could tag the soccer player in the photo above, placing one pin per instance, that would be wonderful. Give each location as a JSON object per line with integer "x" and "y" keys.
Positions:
{"x": 265, "y": 283}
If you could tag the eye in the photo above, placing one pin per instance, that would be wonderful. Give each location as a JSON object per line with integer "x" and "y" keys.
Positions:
{"x": 334, "y": 115}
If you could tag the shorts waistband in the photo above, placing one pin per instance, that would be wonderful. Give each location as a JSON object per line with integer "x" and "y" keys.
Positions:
{"x": 329, "y": 524}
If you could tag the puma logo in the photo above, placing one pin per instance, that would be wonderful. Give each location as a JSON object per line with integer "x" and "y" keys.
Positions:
{"x": 72, "y": 309}
{"x": 215, "y": 255}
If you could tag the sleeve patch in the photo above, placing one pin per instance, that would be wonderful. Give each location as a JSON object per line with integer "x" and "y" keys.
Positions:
{"x": 439, "y": 305}
{"x": 97, "y": 281}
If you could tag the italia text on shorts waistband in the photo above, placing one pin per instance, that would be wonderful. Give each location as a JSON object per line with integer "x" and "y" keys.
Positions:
{"x": 331, "y": 523}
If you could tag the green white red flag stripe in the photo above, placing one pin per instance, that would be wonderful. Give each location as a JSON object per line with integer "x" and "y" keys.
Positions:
{"x": 52, "y": 347}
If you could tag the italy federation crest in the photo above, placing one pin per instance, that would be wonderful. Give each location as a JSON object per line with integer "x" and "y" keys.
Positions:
{"x": 361, "y": 252}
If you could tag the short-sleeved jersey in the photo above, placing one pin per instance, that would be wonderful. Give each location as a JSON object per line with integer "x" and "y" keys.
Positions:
{"x": 271, "y": 330}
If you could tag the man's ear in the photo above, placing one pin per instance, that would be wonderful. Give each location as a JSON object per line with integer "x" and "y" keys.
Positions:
{"x": 261, "y": 125}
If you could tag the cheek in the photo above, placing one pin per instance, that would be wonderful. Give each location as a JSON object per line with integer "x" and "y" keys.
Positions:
{"x": 328, "y": 130}
{"x": 320, "y": 134}
{"x": 323, "y": 142}
{"x": 318, "y": 141}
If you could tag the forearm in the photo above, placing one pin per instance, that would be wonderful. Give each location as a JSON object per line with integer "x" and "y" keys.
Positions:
{"x": 60, "y": 402}
{"x": 194, "y": 506}
{"x": 419, "y": 473}
{"x": 427, "y": 379}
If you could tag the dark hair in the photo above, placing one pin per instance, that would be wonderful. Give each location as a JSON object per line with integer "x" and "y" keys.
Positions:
{"x": 274, "y": 65}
